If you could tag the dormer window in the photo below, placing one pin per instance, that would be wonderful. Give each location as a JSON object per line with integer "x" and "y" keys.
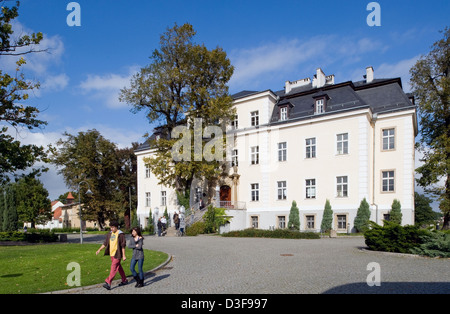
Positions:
{"x": 320, "y": 104}
{"x": 283, "y": 113}
{"x": 284, "y": 108}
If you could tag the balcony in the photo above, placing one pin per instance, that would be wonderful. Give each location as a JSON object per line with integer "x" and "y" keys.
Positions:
{"x": 232, "y": 205}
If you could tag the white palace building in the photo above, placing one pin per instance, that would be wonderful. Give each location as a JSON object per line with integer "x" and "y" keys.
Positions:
{"x": 313, "y": 141}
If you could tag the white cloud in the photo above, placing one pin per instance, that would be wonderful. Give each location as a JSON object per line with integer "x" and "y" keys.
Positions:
{"x": 282, "y": 58}
{"x": 53, "y": 181}
{"x": 252, "y": 63}
{"x": 55, "y": 82}
{"x": 37, "y": 63}
{"x": 399, "y": 69}
{"x": 107, "y": 87}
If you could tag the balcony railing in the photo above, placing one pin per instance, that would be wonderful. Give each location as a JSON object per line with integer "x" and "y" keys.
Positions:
{"x": 232, "y": 205}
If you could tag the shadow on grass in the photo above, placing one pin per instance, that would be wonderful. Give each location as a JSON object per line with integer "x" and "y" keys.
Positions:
{"x": 11, "y": 275}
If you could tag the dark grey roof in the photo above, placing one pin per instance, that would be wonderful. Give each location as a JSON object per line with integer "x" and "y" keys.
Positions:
{"x": 385, "y": 97}
{"x": 379, "y": 95}
{"x": 339, "y": 98}
{"x": 143, "y": 146}
{"x": 244, "y": 93}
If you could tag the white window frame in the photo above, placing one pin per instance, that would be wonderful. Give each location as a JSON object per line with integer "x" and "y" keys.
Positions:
{"x": 281, "y": 222}
{"x": 254, "y": 221}
{"x": 148, "y": 199}
{"x": 163, "y": 198}
{"x": 310, "y": 223}
{"x": 386, "y": 181}
{"x": 389, "y": 137}
{"x": 254, "y": 155}
{"x": 147, "y": 171}
{"x": 310, "y": 148}
{"x": 339, "y": 221}
{"x": 254, "y": 192}
{"x": 311, "y": 191}
{"x": 281, "y": 190}
{"x": 283, "y": 113}
{"x": 234, "y": 158}
{"x": 342, "y": 186}
{"x": 282, "y": 151}
{"x": 235, "y": 123}
{"x": 254, "y": 118}
{"x": 342, "y": 144}
{"x": 320, "y": 106}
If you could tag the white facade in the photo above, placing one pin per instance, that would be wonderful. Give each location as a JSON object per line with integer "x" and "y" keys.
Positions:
{"x": 290, "y": 146}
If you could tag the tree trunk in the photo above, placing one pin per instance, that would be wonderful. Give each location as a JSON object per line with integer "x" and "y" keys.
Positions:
{"x": 127, "y": 219}
{"x": 445, "y": 203}
{"x": 446, "y": 224}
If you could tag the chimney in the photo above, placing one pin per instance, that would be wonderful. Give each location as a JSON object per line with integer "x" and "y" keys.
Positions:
{"x": 330, "y": 79}
{"x": 288, "y": 86}
{"x": 369, "y": 74}
{"x": 319, "y": 79}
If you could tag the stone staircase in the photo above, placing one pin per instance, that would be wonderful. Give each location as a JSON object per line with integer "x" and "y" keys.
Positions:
{"x": 171, "y": 232}
{"x": 190, "y": 219}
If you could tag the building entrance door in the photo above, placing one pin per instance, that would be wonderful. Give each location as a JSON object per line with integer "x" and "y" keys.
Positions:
{"x": 225, "y": 196}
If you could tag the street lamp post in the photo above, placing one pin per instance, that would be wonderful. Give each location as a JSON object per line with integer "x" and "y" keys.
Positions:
{"x": 88, "y": 192}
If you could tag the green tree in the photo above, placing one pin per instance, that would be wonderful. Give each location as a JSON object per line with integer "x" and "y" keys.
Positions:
{"x": 184, "y": 82}
{"x": 327, "y": 218}
{"x": 214, "y": 218}
{"x": 430, "y": 82}
{"x": 33, "y": 204}
{"x": 134, "y": 219}
{"x": 91, "y": 158}
{"x": 8, "y": 208}
{"x": 151, "y": 223}
{"x": 294, "y": 217}
{"x": 423, "y": 213}
{"x": 14, "y": 89}
{"x": 362, "y": 216}
{"x": 166, "y": 214}
{"x": 126, "y": 181}
{"x": 395, "y": 215}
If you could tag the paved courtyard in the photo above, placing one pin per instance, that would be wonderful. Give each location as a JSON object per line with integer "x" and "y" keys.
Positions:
{"x": 217, "y": 265}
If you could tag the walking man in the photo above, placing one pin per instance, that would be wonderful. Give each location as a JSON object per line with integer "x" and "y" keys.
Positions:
{"x": 115, "y": 244}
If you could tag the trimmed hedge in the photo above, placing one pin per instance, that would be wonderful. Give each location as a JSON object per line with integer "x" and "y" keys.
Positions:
{"x": 277, "y": 233}
{"x": 32, "y": 236}
{"x": 407, "y": 239}
{"x": 393, "y": 237}
{"x": 12, "y": 236}
{"x": 196, "y": 228}
{"x": 436, "y": 244}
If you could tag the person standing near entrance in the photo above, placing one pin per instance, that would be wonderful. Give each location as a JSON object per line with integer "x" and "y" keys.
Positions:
{"x": 115, "y": 244}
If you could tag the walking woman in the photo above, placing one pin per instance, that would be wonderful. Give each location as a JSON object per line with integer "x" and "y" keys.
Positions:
{"x": 136, "y": 242}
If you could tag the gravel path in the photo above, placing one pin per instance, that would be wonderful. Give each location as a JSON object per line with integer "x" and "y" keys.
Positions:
{"x": 217, "y": 265}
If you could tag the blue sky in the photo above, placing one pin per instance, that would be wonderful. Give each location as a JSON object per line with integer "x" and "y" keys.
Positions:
{"x": 268, "y": 42}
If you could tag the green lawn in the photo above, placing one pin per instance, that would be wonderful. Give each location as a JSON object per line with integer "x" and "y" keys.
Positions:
{"x": 43, "y": 268}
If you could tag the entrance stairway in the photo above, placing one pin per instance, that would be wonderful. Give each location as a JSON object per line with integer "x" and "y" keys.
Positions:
{"x": 171, "y": 232}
